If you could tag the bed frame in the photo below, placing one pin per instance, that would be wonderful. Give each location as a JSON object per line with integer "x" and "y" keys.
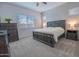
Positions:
{"x": 48, "y": 38}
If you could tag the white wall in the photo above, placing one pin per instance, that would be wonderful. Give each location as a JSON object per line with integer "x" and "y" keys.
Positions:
{"x": 7, "y": 9}
{"x": 61, "y": 12}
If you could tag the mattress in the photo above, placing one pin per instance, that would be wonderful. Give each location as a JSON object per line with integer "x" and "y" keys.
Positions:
{"x": 56, "y": 31}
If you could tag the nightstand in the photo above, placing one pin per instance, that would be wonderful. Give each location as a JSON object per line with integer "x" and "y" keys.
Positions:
{"x": 72, "y": 35}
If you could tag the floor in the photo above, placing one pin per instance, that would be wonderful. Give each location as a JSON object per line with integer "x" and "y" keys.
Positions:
{"x": 28, "y": 47}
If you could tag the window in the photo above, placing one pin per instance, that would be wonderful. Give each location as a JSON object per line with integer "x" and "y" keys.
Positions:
{"x": 28, "y": 20}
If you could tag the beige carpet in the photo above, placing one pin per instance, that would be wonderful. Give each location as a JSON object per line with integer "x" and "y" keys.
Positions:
{"x": 29, "y": 47}
{"x": 67, "y": 46}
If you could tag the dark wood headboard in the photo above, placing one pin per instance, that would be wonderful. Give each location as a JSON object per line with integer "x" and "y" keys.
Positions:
{"x": 59, "y": 23}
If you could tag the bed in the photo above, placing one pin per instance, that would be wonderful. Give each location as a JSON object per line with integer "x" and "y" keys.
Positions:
{"x": 50, "y": 35}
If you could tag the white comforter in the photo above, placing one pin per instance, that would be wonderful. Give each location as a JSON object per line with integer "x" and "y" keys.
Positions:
{"x": 56, "y": 31}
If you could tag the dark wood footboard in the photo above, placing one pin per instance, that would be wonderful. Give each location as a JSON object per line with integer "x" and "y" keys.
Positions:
{"x": 45, "y": 38}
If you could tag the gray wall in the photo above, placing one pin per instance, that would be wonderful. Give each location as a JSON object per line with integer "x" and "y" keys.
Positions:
{"x": 60, "y": 12}
{"x": 7, "y": 9}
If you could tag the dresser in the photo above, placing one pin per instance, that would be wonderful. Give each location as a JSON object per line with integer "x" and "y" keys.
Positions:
{"x": 11, "y": 30}
{"x": 72, "y": 35}
{"x": 4, "y": 45}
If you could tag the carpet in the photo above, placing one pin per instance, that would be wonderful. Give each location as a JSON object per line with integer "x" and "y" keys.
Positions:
{"x": 28, "y": 47}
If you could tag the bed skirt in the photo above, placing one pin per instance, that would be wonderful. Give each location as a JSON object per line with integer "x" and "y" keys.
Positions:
{"x": 45, "y": 38}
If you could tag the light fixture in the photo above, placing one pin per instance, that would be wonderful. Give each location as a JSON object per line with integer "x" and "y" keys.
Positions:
{"x": 44, "y": 24}
{"x": 72, "y": 26}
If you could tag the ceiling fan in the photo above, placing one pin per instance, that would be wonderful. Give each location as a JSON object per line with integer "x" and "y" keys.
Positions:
{"x": 38, "y": 3}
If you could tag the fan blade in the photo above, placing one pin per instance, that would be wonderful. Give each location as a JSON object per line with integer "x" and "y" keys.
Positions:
{"x": 44, "y": 2}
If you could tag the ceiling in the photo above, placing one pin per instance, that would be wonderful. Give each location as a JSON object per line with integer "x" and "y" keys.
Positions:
{"x": 41, "y": 8}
